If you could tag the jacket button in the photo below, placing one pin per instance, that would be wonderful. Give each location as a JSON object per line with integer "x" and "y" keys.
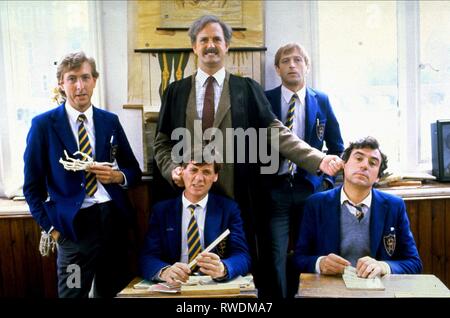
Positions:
{"x": 82, "y": 185}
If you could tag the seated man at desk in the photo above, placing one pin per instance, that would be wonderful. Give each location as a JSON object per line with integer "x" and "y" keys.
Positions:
{"x": 181, "y": 228}
{"x": 357, "y": 225}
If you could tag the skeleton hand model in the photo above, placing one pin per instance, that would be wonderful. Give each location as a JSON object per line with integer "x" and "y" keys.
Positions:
{"x": 77, "y": 164}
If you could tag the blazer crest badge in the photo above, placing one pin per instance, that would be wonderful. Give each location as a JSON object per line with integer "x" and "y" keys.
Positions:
{"x": 221, "y": 248}
{"x": 389, "y": 243}
{"x": 320, "y": 129}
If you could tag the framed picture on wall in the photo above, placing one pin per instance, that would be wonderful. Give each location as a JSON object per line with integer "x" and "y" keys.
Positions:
{"x": 181, "y": 13}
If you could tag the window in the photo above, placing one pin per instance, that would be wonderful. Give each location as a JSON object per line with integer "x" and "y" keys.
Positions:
{"x": 358, "y": 69}
{"x": 34, "y": 36}
{"x": 386, "y": 68}
{"x": 434, "y": 70}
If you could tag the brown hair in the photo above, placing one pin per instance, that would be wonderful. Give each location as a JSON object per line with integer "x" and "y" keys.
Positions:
{"x": 73, "y": 61}
{"x": 288, "y": 48}
{"x": 201, "y": 22}
{"x": 199, "y": 158}
{"x": 367, "y": 142}
{"x": 217, "y": 166}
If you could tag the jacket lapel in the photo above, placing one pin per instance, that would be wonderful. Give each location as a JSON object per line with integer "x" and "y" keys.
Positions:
{"x": 191, "y": 104}
{"x": 192, "y": 115}
{"x": 311, "y": 108}
{"x": 63, "y": 131}
{"x": 276, "y": 102}
{"x": 212, "y": 221}
{"x": 173, "y": 229}
{"x": 333, "y": 220}
{"x": 102, "y": 127}
{"x": 224, "y": 102}
{"x": 378, "y": 213}
{"x": 239, "y": 110}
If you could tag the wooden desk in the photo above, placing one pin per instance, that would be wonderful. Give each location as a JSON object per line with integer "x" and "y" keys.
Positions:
{"x": 321, "y": 286}
{"x": 131, "y": 292}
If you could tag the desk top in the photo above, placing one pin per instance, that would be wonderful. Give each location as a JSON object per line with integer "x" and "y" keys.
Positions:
{"x": 396, "y": 286}
{"x": 431, "y": 190}
{"x": 131, "y": 292}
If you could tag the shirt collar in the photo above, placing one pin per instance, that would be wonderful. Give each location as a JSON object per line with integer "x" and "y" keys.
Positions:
{"x": 367, "y": 200}
{"x": 201, "y": 203}
{"x": 287, "y": 94}
{"x": 73, "y": 114}
{"x": 219, "y": 76}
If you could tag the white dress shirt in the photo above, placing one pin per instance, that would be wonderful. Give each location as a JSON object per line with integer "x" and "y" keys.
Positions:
{"x": 365, "y": 204}
{"x": 200, "y": 88}
{"x": 200, "y": 215}
{"x": 101, "y": 195}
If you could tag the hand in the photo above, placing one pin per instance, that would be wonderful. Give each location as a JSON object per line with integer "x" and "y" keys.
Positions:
{"x": 105, "y": 174}
{"x": 333, "y": 264}
{"x": 176, "y": 177}
{"x": 55, "y": 235}
{"x": 210, "y": 264}
{"x": 178, "y": 272}
{"x": 369, "y": 267}
{"x": 331, "y": 164}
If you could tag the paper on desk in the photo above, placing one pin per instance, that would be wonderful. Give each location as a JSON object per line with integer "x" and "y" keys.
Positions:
{"x": 159, "y": 287}
{"x": 207, "y": 280}
{"x": 243, "y": 282}
{"x": 143, "y": 284}
{"x": 352, "y": 281}
{"x": 165, "y": 288}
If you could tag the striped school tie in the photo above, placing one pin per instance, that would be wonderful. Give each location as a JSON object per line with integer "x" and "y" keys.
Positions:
{"x": 85, "y": 146}
{"x": 290, "y": 124}
{"x": 359, "y": 210}
{"x": 193, "y": 240}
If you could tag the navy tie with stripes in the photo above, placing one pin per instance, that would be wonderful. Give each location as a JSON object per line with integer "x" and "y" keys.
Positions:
{"x": 290, "y": 124}
{"x": 193, "y": 235}
{"x": 85, "y": 146}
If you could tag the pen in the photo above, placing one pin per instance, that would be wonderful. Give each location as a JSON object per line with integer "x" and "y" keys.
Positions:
{"x": 318, "y": 121}
{"x": 112, "y": 138}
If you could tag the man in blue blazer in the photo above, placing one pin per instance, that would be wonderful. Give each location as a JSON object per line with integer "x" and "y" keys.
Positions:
{"x": 167, "y": 249}
{"x": 85, "y": 212}
{"x": 356, "y": 224}
{"x": 308, "y": 113}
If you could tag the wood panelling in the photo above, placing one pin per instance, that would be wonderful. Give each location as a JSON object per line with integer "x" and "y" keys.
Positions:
{"x": 145, "y": 88}
{"x": 430, "y": 225}
{"x": 24, "y": 272}
{"x": 438, "y": 249}
{"x": 447, "y": 243}
{"x": 146, "y": 75}
{"x": 148, "y": 19}
{"x": 140, "y": 199}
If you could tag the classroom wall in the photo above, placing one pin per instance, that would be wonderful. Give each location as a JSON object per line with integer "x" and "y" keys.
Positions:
{"x": 114, "y": 26}
{"x": 278, "y": 16}
{"x": 281, "y": 16}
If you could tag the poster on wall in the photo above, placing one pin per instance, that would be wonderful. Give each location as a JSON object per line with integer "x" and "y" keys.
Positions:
{"x": 181, "y": 13}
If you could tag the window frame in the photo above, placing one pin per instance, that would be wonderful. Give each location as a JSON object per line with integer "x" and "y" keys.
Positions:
{"x": 408, "y": 72}
{"x": 11, "y": 180}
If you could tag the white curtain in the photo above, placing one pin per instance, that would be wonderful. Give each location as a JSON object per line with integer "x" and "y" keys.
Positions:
{"x": 34, "y": 36}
